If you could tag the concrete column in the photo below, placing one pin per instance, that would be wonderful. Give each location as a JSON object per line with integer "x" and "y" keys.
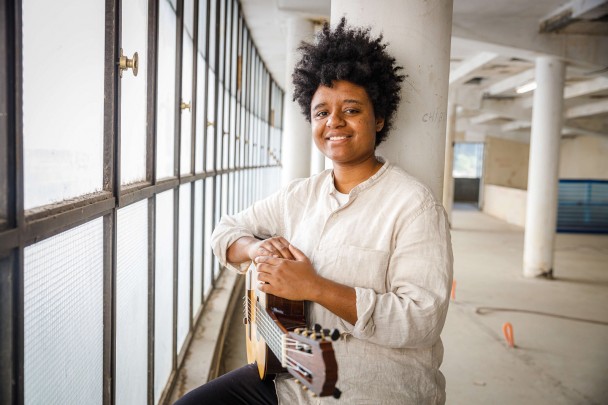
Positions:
{"x": 296, "y": 131}
{"x": 541, "y": 206}
{"x": 419, "y": 35}
{"x": 317, "y": 159}
{"x": 448, "y": 179}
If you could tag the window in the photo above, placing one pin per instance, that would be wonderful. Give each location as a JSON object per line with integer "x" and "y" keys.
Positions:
{"x": 107, "y": 222}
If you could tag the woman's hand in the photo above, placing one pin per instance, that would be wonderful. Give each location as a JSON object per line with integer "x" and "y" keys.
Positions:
{"x": 248, "y": 248}
{"x": 291, "y": 278}
{"x": 277, "y": 247}
{"x": 297, "y": 280}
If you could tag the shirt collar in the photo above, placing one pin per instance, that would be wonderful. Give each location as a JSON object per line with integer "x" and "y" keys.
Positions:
{"x": 330, "y": 186}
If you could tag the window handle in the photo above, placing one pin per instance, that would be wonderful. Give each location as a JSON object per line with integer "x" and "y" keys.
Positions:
{"x": 124, "y": 63}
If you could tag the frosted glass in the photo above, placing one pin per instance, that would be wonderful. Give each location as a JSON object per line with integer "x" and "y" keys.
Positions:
{"x": 197, "y": 272}
{"x": 62, "y": 106}
{"x": 201, "y": 125}
{"x": 183, "y": 275}
{"x": 216, "y": 216}
{"x": 163, "y": 293}
{"x": 208, "y": 259}
{"x": 133, "y": 102}
{"x": 63, "y": 317}
{"x": 132, "y": 304}
{"x": 225, "y": 127}
{"x": 212, "y": 31}
{"x": 165, "y": 120}
{"x": 211, "y": 124}
{"x": 186, "y": 115}
{"x": 202, "y": 30}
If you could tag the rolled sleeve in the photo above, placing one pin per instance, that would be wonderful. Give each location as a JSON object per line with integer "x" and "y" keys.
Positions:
{"x": 419, "y": 277}
{"x": 262, "y": 220}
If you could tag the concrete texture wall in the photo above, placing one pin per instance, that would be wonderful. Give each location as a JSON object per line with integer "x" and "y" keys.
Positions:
{"x": 506, "y": 203}
{"x": 506, "y": 163}
{"x": 584, "y": 157}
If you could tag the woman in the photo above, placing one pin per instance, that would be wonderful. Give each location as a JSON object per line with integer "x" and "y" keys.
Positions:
{"x": 365, "y": 244}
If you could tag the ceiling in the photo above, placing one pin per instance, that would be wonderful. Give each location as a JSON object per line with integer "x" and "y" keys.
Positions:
{"x": 494, "y": 45}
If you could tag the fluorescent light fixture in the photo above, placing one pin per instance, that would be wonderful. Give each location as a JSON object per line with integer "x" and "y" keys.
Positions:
{"x": 525, "y": 88}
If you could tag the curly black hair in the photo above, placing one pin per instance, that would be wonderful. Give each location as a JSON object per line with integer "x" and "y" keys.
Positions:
{"x": 349, "y": 54}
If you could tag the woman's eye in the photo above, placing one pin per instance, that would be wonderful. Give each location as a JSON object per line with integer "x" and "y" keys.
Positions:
{"x": 351, "y": 111}
{"x": 321, "y": 114}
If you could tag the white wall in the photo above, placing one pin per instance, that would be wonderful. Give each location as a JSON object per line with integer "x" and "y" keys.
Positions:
{"x": 584, "y": 157}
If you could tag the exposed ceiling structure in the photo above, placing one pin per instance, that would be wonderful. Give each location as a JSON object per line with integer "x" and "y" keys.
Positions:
{"x": 494, "y": 45}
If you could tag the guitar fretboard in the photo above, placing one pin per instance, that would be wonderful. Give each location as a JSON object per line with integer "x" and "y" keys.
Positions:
{"x": 270, "y": 331}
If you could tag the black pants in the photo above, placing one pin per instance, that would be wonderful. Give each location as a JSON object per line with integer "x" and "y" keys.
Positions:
{"x": 241, "y": 386}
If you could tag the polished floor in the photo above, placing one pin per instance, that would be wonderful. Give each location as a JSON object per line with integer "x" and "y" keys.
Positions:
{"x": 560, "y": 326}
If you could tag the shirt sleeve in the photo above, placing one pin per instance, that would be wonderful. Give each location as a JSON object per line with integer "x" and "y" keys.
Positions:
{"x": 262, "y": 220}
{"x": 412, "y": 313}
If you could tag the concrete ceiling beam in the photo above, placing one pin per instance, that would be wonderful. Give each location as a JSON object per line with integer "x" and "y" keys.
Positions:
{"x": 510, "y": 83}
{"x": 485, "y": 117}
{"x": 586, "y": 87}
{"x": 462, "y": 72}
{"x": 571, "y": 12}
{"x": 585, "y": 110}
{"x": 516, "y": 126}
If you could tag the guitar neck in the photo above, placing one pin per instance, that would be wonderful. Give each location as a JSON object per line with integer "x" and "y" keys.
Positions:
{"x": 273, "y": 334}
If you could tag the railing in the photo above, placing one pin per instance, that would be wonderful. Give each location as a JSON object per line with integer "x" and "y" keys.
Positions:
{"x": 583, "y": 206}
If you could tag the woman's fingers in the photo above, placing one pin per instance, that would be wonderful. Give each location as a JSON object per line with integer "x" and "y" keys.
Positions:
{"x": 276, "y": 246}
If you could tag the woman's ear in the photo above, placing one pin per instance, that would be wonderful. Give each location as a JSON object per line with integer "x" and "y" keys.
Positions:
{"x": 379, "y": 124}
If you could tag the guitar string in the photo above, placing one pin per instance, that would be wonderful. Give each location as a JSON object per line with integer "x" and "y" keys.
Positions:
{"x": 275, "y": 343}
{"x": 266, "y": 322}
{"x": 269, "y": 327}
{"x": 289, "y": 341}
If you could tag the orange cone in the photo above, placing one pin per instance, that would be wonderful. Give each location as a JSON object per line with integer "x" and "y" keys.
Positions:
{"x": 507, "y": 330}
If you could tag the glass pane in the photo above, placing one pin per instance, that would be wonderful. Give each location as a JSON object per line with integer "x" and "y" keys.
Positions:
{"x": 222, "y": 37}
{"x": 210, "y": 123}
{"x": 208, "y": 259}
{"x": 216, "y": 216}
{"x": 62, "y": 107}
{"x": 232, "y": 126}
{"x": 183, "y": 275}
{"x": 163, "y": 293}
{"x": 202, "y": 27}
{"x": 63, "y": 317}
{"x": 8, "y": 325}
{"x": 133, "y": 102}
{"x": 468, "y": 160}
{"x": 201, "y": 124}
{"x": 132, "y": 304}
{"x": 197, "y": 272}
{"x": 166, "y": 91}
{"x": 186, "y": 115}
{"x": 212, "y": 33}
{"x": 220, "y": 126}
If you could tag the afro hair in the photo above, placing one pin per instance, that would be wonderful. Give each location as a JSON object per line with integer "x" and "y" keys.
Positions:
{"x": 349, "y": 54}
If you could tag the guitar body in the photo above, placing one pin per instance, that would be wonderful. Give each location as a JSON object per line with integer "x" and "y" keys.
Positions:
{"x": 286, "y": 315}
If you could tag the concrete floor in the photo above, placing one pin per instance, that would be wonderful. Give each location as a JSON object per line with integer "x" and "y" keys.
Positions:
{"x": 560, "y": 357}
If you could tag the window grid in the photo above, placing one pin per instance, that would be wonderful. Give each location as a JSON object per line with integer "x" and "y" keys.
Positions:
{"x": 235, "y": 97}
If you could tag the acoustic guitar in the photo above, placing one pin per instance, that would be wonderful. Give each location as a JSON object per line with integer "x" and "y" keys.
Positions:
{"x": 278, "y": 340}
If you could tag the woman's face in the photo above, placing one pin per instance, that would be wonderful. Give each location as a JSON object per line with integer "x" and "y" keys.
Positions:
{"x": 343, "y": 123}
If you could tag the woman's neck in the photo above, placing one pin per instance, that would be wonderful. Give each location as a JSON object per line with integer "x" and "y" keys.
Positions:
{"x": 347, "y": 177}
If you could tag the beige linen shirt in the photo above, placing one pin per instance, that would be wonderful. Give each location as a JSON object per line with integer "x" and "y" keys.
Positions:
{"x": 391, "y": 242}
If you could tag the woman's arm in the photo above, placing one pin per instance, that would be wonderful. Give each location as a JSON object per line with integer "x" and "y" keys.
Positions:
{"x": 419, "y": 274}
{"x": 297, "y": 280}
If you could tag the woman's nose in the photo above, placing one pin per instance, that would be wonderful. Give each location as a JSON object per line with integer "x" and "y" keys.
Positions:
{"x": 334, "y": 120}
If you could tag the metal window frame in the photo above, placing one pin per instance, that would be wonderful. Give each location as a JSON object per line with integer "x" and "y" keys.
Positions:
{"x": 25, "y": 228}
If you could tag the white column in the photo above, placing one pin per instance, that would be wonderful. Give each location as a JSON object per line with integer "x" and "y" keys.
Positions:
{"x": 419, "y": 35}
{"x": 541, "y": 208}
{"x": 296, "y": 131}
{"x": 448, "y": 179}
{"x": 317, "y": 159}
